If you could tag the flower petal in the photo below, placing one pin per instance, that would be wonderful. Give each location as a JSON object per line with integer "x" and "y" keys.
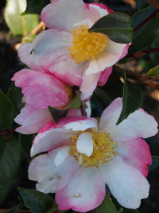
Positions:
{"x": 41, "y": 89}
{"x": 138, "y": 125}
{"x": 63, "y": 14}
{"x": 49, "y": 177}
{"x": 61, "y": 156}
{"x": 77, "y": 123}
{"x": 126, "y": 183}
{"x": 51, "y": 139}
{"x": 84, "y": 192}
{"x": 85, "y": 144}
{"x": 32, "y": 119}
{"x": 136, "y": 153}
{"x": 105, "y": 76}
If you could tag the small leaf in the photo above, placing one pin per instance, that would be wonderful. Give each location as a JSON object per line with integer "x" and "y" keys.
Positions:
{"x": 6, "y": 111}
{"x": 155, "y": 162}
{"x": 154, "y": 3}
{"x": 15, "y": 95}
{"x": 19, "y": 25}
{"x": 36, "y": 201}
{"x": 154, "y": 71}
{"x": 36, "y": 6}
{"x": 107, "y": 206}
{"x": 5, "y": 189}
{"x": 132, "y": 99}
{"x": 140, "y": 41}
{"x": 117, "y": 26}
{"x": 16, "y": 208}
{"x": 10, "y": 157}
{"x": 25, "y": 142}
{"x": 141, "y": 15}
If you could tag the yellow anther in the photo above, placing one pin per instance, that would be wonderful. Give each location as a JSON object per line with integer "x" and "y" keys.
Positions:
{"x": 86, "y": 45}
{"x": 103, "y": 150}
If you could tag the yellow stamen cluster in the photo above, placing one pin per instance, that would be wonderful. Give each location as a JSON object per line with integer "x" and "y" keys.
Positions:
{"x": 103, "y": 150}
{"x": 86, "y": 45}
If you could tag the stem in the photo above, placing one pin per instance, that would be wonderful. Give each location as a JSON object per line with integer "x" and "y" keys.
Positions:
{"x": 146, "y": 20}
{"x": 137, "y": 54}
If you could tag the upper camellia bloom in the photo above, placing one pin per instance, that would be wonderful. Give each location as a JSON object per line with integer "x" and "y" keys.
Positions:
{"x": 82, "y": 157}
{"x": 68, "y": 50}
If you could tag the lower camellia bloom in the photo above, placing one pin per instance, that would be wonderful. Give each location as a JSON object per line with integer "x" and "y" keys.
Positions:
{"x": 83, "y": 156}
{"x": 68, "y": 50}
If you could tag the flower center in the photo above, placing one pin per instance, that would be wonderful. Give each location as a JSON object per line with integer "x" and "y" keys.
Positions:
{"x": 86, "y": 45}
{"x": 103, "y": 150}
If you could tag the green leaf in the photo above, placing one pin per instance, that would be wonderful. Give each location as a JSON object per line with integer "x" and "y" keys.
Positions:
{"x": 132, "y": 99}
{"x": 141, "y": 15}
{"x": 19, "y": 25}
{"x": 155, "y": 162}
{"x": 36, "y": 201}
{"x": 154, "y": 3}
{"x": 102, "y": 96}
{"x": 154, "y": 71}
{"x": 16, "y": 208}
{"x": 10, "y": 157}
{"x": 117, "y": 26}
{"x": 15, "y": 95}
{"x": 141, "y": 3}
{"x": 140, "y": 41}
{"x": 6, "y": 111}
{"x": 36, "y": 6}
{"x": 107, "y": 206}
{"x": 25, "y": 142}
{"x": 5, "y": 188}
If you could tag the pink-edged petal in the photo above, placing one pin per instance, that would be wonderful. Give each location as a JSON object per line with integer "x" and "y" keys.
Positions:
{"x": 77, "y": 123}
{"x": 89, "y": 84}
{"x": 125, "y": 51}
{"x": 96, "y": 11}
{"x": 84, "y": 192}
{"x": 104, "y": 76}
{"x": 68, "y": 12}
{"x": 51, "y": 139}
{"x": 84, "y": 144}
{"x": 41, "y": 89}
{"x": 137, "y": 154}
{"x": 138, "y": 124}
{"x": 126, "y": 183}
{"x": 102, "y": 6}
{"x": 49, "y": 177}
{"x": 63, "y": 67}
{"x": 46, "y": 42}
{"x": 32, "y": 119}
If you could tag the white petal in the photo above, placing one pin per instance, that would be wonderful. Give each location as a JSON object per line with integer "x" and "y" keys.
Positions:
{"x": 85, "y": 144}
{"x": 126, "y": 183}
{"x": 61, "y": 156}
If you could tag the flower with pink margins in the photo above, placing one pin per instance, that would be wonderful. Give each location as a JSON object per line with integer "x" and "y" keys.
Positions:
{"x": 67, "y": 49}
{"x": 83, "y": 156}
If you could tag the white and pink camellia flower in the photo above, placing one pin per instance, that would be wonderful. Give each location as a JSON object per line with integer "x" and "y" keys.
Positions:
{"x": 68, "y": 51}
{"x": 83, "y": 156}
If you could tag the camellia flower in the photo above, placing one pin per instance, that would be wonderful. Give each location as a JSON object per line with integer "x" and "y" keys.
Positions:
{"x": 68, "y": 50}
{"x": 82, "y": 157}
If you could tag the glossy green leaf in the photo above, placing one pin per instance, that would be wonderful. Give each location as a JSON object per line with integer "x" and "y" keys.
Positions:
{"x": 154, "y": 3}
{"x": 19, "y": 25}
{"x": 154, "y": 71}
{"x": 25, "y": 142}
{"x": 36, "y": 6}
{"x": 36, "y": 201}
{"x": 6, "y": 111}
{"x": 10, "y": 157}
{"x": 117, "y": 26}
{"x": 107, "y": 206}
{"x": 15, "y": 95}
{"x": 16, "y": 208}
{"x": 155, "y": 162}
{"x": 141, "y": 3}
{"x": 102, "y": 96}
{"x": 5, "y": 189}
{"x": 131, "y": 101}
{"x": 141, "y": 15}
{"x": 140, "y": 41}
